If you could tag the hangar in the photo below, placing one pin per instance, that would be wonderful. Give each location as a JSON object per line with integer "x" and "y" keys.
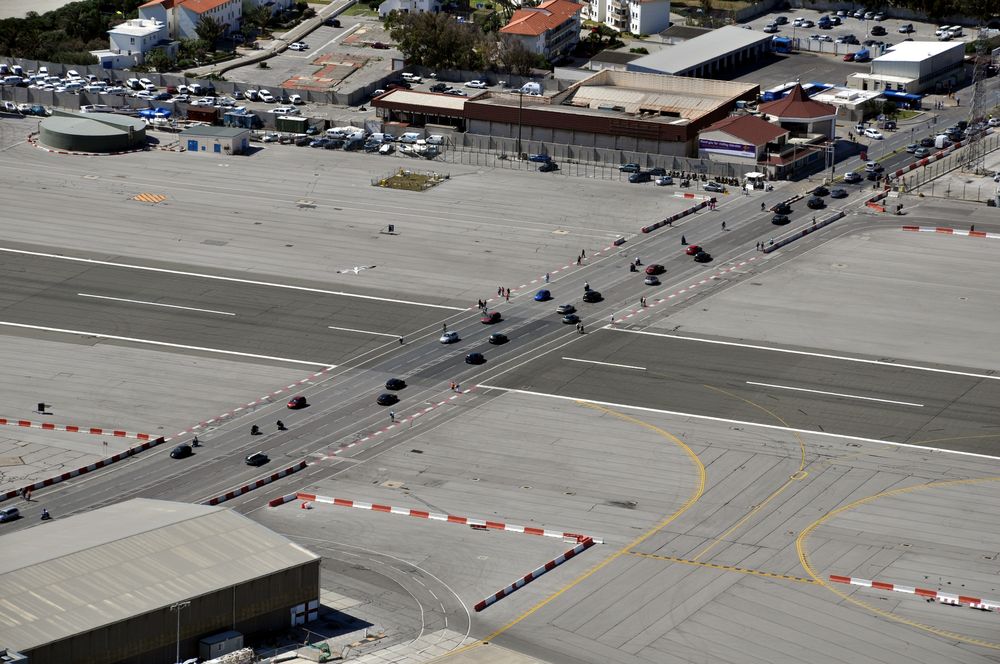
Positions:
{"x": 711, "y": 55}
{"x": 132, "y": 582}
{"x": 92, "y": 132}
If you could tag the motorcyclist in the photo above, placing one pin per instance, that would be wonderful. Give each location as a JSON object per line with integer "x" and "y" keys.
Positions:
{"x": 586, "y": 286}
{"x": 281, "y": 425}
{"x": 195, "y": 443}
{"x": 254, "y": 430}
{"x": 45, "y": 515}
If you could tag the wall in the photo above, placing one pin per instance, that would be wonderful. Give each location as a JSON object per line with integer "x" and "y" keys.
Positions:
{"x": 892, "y": 12}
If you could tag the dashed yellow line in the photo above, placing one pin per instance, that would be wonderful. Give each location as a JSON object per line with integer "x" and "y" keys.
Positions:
{"x": 149, "y": 198}
{"x": 798, "y": 476}
{"x": 724, "y": 568}
{"x": 800, "y": 547}
{"x": 692, "y": 499}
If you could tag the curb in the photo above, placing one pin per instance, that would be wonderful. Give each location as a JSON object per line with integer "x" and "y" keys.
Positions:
{"x": 476, "y": 524}
{"x": 247, "y": 488}
{"x": 949, "y": 231}
{"x": 669, "y": 221}
{"x": 534, "y": 574}
{"x": 944, "y": 598}
{"x": 97, "y": 431}
{"x": 80, "y": 471}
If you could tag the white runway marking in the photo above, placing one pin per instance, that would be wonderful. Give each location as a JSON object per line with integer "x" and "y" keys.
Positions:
{"x": 164, "y": 343}
{"x": 350, "y": 329}
{"x": 216, "y": 277}
{"x": 827, "y": 356}
{"x": 606, "y": 364}
{"x": 156, "y": 304}
{"x": 661, "y": 411}
{"x": 836, "y": 394}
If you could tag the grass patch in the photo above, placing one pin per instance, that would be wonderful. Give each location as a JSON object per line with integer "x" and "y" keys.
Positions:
{"x": 410, "y": 180}
{"x": 359, "y": 9}
{"x": 906, "y": 114}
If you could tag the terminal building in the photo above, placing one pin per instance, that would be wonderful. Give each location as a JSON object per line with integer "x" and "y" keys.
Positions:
{"x": 133, "y": 582}
{"x": 915, "y": 68}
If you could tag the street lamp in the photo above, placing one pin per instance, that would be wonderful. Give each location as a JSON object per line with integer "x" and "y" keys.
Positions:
{"x": 177, "y": 608}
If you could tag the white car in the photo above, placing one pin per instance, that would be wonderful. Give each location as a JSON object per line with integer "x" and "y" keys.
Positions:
{"x": 296, "y": 99}
{"x": 871, "y": 132}
{"x": 449, "y": 338}
{"x": 284, "y": 110}
{"x": 265, "y": 96}
{"x": 479, "y": 85}
{"x": 299, "y": 46}
{"x": 271, "y": 138}
{"x": 994, "y": 122}
{"x": 204, "y": 101}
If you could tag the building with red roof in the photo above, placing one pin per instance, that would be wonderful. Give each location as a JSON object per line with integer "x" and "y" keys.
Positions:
{"x": 550, "y": 29}
{"x": 182, "y": 16}
{"x": 743, "y": 139}
{"x": 801, "y": 115}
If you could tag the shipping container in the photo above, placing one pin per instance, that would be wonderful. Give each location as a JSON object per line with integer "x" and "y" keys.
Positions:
{"x": 291, "y": 124}
{"x": 210, "y": 115}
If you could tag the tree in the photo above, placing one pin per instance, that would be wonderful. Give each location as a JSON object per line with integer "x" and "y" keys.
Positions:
{"x": 209, "y": 30}
{"x": 437, "y": 41}
{"x": 158, "y": 60}
{"x": 514, "y": 57}
{"x": 258, "y": 16}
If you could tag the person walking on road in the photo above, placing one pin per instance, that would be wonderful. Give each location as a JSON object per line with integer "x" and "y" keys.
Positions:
{"x": 546, "y": 277}
{"x": 762, "y": 206}
{"x": 723, "y": 225}
{"x": 683, "y": 240}
{"x": 392, "y": 416}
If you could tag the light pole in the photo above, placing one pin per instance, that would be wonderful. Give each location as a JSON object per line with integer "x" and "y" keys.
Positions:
{"x": 177, "y": 608}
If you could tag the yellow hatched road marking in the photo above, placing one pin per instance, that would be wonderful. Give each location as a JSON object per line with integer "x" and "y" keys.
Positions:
{"x": 149, "y": 198}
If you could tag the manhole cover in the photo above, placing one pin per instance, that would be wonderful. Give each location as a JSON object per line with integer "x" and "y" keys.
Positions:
{"x": 305, "y": 203}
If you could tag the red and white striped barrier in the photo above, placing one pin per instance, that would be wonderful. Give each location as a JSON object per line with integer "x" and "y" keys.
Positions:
{"x": 944, "y": 598}
{"x": 680, "y": 215}
{"x": 80, "y": 471}
{"x": 949, "y": 231}
{"x": 247, "y": 488}
{"x": 281, "y": 500}
{"x": 97, "y": 431}
{"x": 528, "y": 578}
{"x": 448, "y": 518}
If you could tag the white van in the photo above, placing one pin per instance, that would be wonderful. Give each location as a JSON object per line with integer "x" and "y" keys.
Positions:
{"x": 412, "y": 78}
{"x": 11, "y": 80}
{"x": 74, "y": 86}
{"x": 531, "y": 88}
{"x": 955, "y": 31}
{"x": 94, "y": 88}
{"x": 195, "y": 88}
{"x": 410, "y": 137}
{"x": 435, "y": 139}
{"x": 133, "y": 84}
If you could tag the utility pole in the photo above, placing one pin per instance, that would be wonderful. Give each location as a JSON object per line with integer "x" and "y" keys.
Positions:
{"x": 177, "y": 608}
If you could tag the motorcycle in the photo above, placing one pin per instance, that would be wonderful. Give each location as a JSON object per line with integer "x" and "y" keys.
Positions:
{"x": 685, "y": 183}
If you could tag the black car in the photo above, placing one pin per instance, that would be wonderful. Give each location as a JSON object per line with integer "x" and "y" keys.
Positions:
{"x": 852, "y": 177}
{"x": 181, "y": 451}
{"x": 498, "y": 338}
{"x": 783, "y": 208}
{"x": 641, "y": 176}
{"x": 319, "y": 143}
{"x": 703, "y": 257}
{"x": 548, "y": 167}
{"x": 821, "y": 191}
{"x": 927, "y": 142}
{"x": 657, "y": 171}
{"x": 565, "y": 309}
{"x": 570, "y": 319}
{"x": 872, "y": 176}
{"x": 815, "y": 203}
{"x": 257, "y": 459}
{"x": 878, "y": 31}
{"x": 395, "y": 384}
{"x": 890, "y": 125}
{"x": 386, "y": 399}
{"x": 303, "y": 141}
{"x": 475, "y": 358}
{"x": 780, "y": 219}
{"x": 838, "y": 192}
{"x": 439, "y": 87}
{"x": 332, "y": 22}
{"x": 592, "y": 296}
{"x": 333, "y": 144}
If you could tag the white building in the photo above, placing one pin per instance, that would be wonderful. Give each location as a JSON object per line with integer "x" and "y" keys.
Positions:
{"x": 712, "y": 55}
{"x": 640, "y": 17}
{"x": 914, "y": 67}
{"x": 132, "y": 41}
{"x": 550, "y": 29}
{"x": 182, "y": 16}
{"x": 408, "y": 7}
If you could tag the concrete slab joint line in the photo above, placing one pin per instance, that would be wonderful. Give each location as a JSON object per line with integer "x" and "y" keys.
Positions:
{"x": 80, "y": 471}
{"x": 448, "y": 518}
{"x": 70, "y": 428}
{"x": 264, "y": 481}
{"x": 585, "y": 544}
{"x": 944, "y": 598}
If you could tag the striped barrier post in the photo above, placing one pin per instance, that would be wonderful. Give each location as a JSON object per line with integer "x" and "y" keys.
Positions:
{"x": 247, "y": 488}
{"x": 534, "y": 574}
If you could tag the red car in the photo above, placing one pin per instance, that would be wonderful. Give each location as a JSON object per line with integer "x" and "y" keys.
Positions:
{"x": 692, "y": 249}
{"x": 655, "y": 268}
{"x": 490, "y": 318}
{"x": 849, "y": 57}
{"x": 297, "y": 402}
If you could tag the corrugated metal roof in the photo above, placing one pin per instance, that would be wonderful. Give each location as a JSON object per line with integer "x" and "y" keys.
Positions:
{"x": 430, "y": 100}
{"x": 104, "y": 566}
{"x": 696, "y": 51}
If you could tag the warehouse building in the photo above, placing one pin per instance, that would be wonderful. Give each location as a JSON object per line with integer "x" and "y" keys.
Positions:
{"x": 711, "y": 55}
{"x": 216, "y": 140}
{"x": 130, "y": 583}
{"x": 92, "y": 132}
{"x": 915, "y": 68}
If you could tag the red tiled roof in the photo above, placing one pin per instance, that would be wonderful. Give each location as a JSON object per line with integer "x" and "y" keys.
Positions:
{"x": 749, "y": 128}
{"x": 167, "y": 4}
{"x": 534, "y": 21}
{"x": 197, "y": 6}
{"x": 796, "y": 104}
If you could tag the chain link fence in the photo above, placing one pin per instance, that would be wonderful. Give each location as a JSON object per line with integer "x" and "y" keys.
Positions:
{"x": 934, "y": 179}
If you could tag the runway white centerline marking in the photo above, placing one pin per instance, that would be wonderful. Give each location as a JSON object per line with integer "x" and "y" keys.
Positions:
{"x": 827, "y": 356}
{"x": 156, "y": 304}
{"x": 606, "y": 364}
{"x": 725, "y": 420}
{"x": 836, "y": 394}
{"x": 350, "y": 329}
{"x": 151, "y": 342}
{"x": 235, "y": 280}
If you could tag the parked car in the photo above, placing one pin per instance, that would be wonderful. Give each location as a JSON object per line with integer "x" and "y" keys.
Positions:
{"x": 712, "y": 185}
{"x": 877, "y": 31}
{"x": 663, "y": 181}
{"x": 296, "y": 99}
{"x": 284, "y": 110}
{"x": 380, "y": 45}
{"x": 906, "y": 28}
{"x": 479, "y": 85}
{"x": 299, "y": 46}
{"x": 641, "y": 176}
{"x": 657, "y": 171}
{"x": 440, "y": 87}
{"x": 548, "y": 167}
{"x": 321, "y": 142}
{"x": 265, "y": 96}
{"x": 629, "y": 168}
{"x": 539, "y": 158}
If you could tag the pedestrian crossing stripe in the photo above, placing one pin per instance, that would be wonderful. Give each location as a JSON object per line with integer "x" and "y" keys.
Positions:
{"x": 149, "y": 198}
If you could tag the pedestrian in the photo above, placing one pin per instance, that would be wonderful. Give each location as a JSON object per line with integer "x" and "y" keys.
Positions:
{"x": 957, "y": 102}
{"x": 451, "y": 386}
{"x": 578, "y": 259}
{"x": 583, "y": 253}
{"x": 458, "y": 388}
{"x": 507, "y": 296}
{"x": 582, "y": 331}
{"x": 586, "y": 286}
{"x": 723, "y": 225}
{"x": 578, "y": 326}
{"x": 27, "y": 493}
{"x": 637, "y": 261}
{"x": 499, "y": 290}
{"x": 546, "y": 277}
{"x": 972, "y": 228}
{"x": 670, "y": 222}
{"x": 683, "y": 240}
{"x": 814, "y": 222}
{"x": 444, "y": 327}
{"x": 772, "y": 241}
{"x": 762, "y": 206}
{"x": 401, "y": 341}
{"x": 757, "y": 246}
{"x": 612, "y": 319}
{"x": 392, "y": 416}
